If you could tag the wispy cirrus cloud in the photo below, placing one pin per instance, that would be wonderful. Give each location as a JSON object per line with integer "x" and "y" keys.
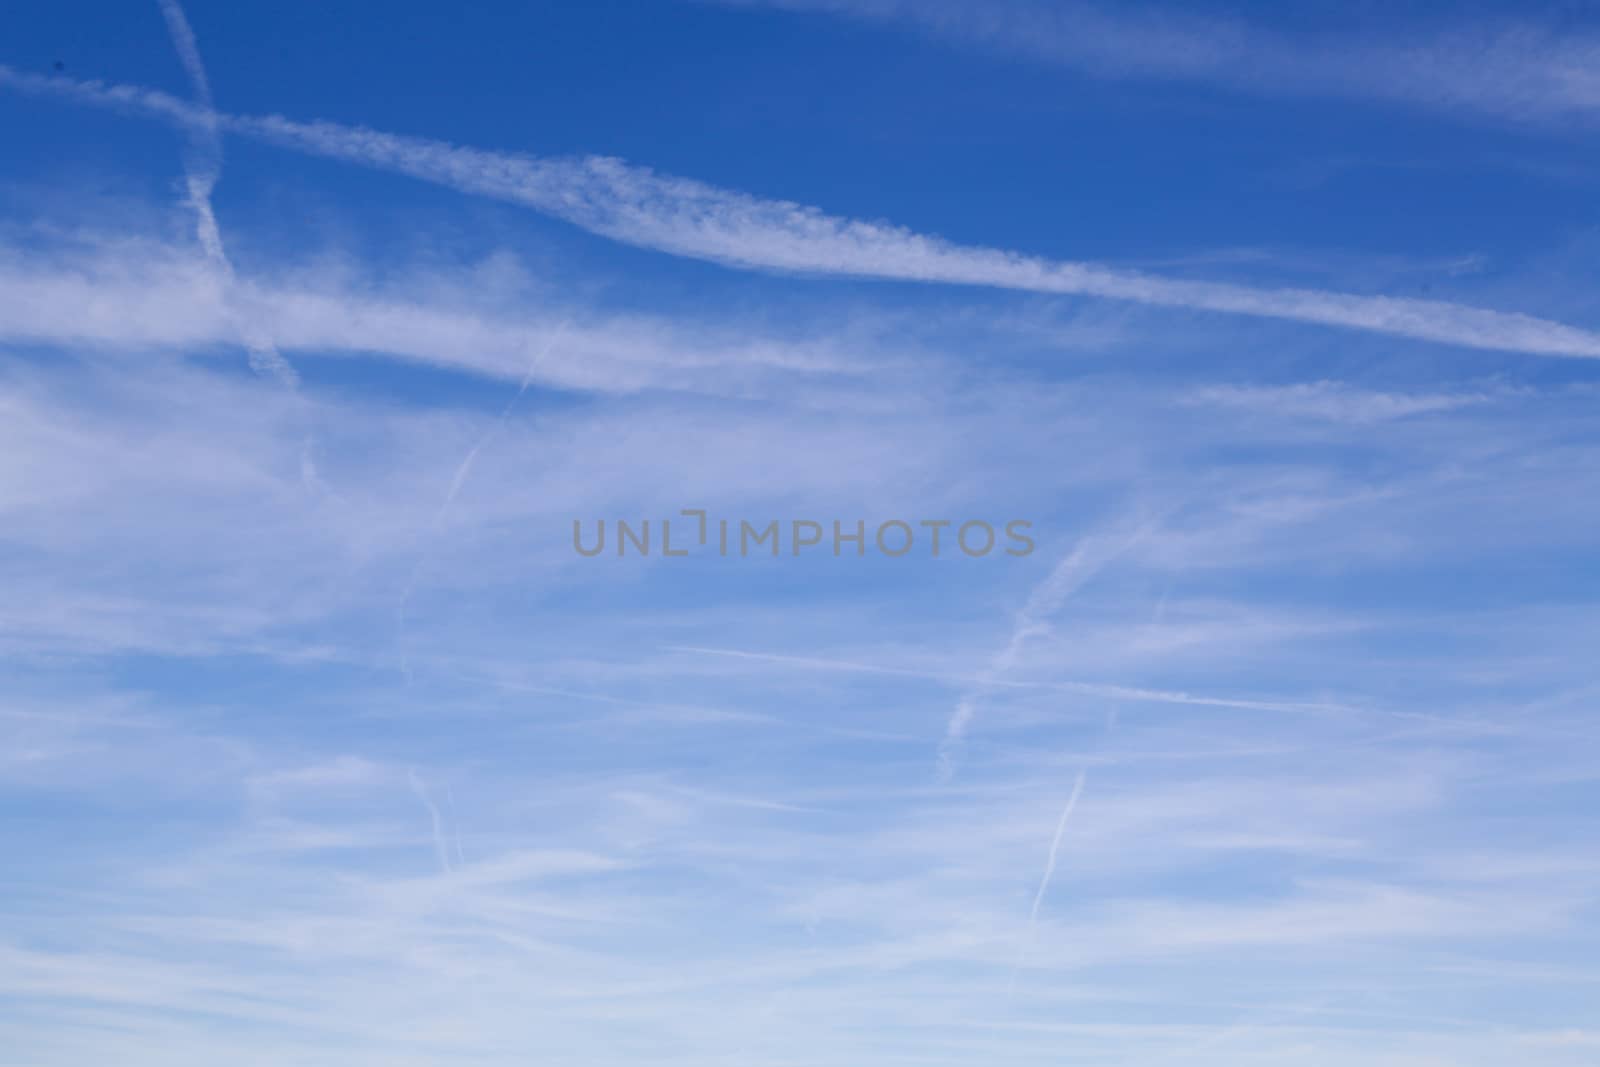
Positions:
{"x": 685, "y": 217}
{"x": 287, "y": 879}
{"x": 1332, "y": 401}
{"x": 682, "y": 810}
{"x": 122, "y": 292}
{"x": 1524, "y": 71}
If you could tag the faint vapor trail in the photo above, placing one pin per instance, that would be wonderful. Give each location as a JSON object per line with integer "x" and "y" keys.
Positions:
{"x": 1077, "y": 567}
{"x": 1044, "y": 880}
{"x": 459, "y": 480}
{"x": 202, "y": 170}
{"x": 439, "y": 847}
{"x": 465, "y": 467}
{"x": 1055, "y": 846}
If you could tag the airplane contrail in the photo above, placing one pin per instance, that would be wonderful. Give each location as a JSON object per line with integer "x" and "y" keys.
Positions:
{"x": 202, "y": 171}
{"x": 689, "y": 218}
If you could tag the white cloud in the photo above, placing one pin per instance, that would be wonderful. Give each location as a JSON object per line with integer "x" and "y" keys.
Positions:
{"x": 1333, "y": 401}
{"x": 1528, "y": 71}
{"x": 121, "y": 293}
{"x": 1308, "y": 769}
{"x": 684, "y": 217}
{"x": 203, "y": 169}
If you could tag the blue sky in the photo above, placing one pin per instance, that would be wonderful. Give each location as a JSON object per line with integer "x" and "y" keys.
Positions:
{"x": 322, "y": 324}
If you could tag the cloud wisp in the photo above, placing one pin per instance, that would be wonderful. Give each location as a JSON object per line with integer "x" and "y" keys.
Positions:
{"x": 1521, "y": 72}
{"x": 1055, "y": 846}
{"x": 1087, "y": 558}
{"x": 693, "y": 219}
{"x": 1049, "y": 868}
{"x": 202, "y": 171}
{"x": 116, "y": 292}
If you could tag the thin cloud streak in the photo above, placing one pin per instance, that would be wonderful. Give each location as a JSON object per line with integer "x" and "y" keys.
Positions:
{"x": 1055, "y": 846}
{"x": 441, "y": 850}
{"x": 1049, "y": 872}
{"x": 1107, "y": 691}
{"x": 202, "y": 171}
{"x": 463, "y": 470}
{"x": 1080, "y": 565}
{"x": 684, "y": 217}
{"x": 1522, "y": 72}
{"x": 145, "y": 295}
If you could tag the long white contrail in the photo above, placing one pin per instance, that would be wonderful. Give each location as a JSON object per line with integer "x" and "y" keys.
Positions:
{"x": 689, "y": 218}
{"x": 202, "y": 170}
